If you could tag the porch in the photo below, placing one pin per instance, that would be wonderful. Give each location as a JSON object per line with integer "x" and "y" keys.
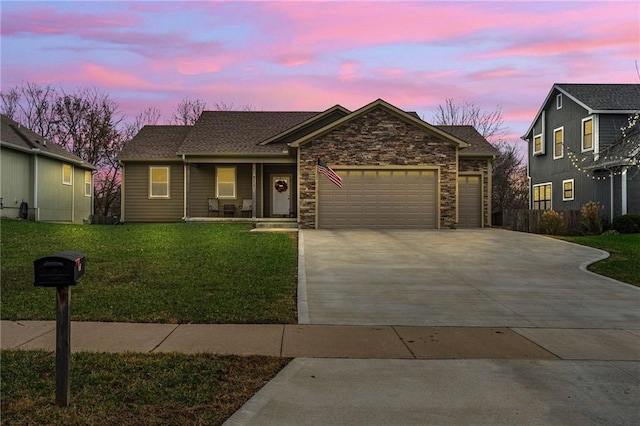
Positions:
{"x": 270, "y": 189}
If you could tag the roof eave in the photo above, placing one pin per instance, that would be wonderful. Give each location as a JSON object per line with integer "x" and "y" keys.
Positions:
{"x": 39, "y": 151}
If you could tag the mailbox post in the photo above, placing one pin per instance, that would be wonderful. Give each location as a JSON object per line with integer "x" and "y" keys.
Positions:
{"x": 61, "y": 270}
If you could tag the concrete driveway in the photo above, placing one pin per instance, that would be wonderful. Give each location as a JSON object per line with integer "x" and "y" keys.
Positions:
{"x": 476, "y": 278}
{"x": 536, "y": 286}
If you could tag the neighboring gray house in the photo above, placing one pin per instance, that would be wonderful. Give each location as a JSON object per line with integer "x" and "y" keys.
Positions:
{"x": 398, "y": 171}
{"x": 572, "y": 142}
{"x": 42, "y": 181}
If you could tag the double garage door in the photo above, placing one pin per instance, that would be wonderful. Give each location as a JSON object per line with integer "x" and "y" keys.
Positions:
{"x": 379, "y": 198}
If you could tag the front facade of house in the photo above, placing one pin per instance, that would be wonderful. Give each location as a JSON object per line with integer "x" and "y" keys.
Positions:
{"x": 40, "y": 180}
{"x": 398, "y": 171}
{"x": 570, "y": 141}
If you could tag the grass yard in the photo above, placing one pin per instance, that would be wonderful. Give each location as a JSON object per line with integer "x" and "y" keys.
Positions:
{"x": 131, "y": 389}
{"x": 624, "y": 262}
{"x": 163, "y": 273}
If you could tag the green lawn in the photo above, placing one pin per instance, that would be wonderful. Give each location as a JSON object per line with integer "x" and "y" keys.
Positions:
{"x": 624, "y": 262}
{"x": 131, "y": 389}
{"x": 164, "y": 273}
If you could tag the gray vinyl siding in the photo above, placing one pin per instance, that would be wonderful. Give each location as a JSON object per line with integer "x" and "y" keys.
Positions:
{"x": 55, "y": 199}
{"x": 82, "y": 204}
{"x": 544, "y": 168}
{"x": 17, "y": 181}
{"x": 202, "y": 185}
{"x": 138, "y": 207}
{"x": 609, "y": 128}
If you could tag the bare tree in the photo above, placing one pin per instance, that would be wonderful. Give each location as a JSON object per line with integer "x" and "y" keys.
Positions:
{"x": 32, "y": 106}
{"x": 86, "y": 124}
{"x": 188, "y": 111}
{"x": 149, "y": 116}
{"x": 488, "y": 123}
{"x": 223, "y": 106}
{"x": 510, "y": 184}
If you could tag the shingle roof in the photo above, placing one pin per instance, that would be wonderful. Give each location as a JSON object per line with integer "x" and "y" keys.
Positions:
{"x": 240, "y": 131}
{"x": 15, "y": 135}
{"x": 603, "y": 97}
{"x": 478, "y": 146}
{"x": 155, "y": 143}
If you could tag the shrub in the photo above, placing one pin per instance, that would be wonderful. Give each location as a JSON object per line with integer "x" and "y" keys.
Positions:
{"x": 551, "y": 222}
{"x": 627, "y": 224}
{"x": 590, "y": 213}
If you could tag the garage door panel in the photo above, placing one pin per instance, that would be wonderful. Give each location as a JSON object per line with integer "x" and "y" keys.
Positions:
{"x": 373, "y": 198}
{"x": 469, "y": 202}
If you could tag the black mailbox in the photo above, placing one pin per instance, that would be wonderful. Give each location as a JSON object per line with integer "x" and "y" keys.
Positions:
{"x": 59, "y": 270}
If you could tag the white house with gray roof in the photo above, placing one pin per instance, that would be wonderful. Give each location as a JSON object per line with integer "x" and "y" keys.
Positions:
{"x": 42, "y": 181}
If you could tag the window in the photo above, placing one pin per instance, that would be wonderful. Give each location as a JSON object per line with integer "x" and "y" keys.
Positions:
{"x": 558, "y": 143}
{"x": 587, "y": 134}
{"x": 542, "y": 196}
{"x": 67, "y": 174}
{"x": 559, "y": 101}
{"x": 159, "y": 182}
{"x": 538, "y": 146}
{"x": 567, "y": 190}
{"x": 87, "y": 184}
{"x": 226, "y": 182}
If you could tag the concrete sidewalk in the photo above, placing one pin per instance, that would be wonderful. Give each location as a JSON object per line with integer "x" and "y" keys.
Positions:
{"x": 319, "y": 341}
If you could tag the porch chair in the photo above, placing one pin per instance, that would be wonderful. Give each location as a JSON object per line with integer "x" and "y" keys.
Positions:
{"x": 247, "y": 207}
{"x": 214, "y": 207}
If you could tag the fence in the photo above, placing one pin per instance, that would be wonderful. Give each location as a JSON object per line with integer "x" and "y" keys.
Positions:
{"x": 529, "y": 221}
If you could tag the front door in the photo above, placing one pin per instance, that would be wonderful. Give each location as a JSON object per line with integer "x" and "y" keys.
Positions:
{"x": 281, "y": 195}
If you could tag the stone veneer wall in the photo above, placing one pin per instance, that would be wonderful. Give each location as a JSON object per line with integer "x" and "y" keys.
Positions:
{"x": 482, "y": 166}
{"x": 378, "y": 138}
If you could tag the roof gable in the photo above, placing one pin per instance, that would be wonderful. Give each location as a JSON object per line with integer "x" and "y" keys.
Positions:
{"x": 16, "y": 136}
{"x": 379, "y": 103}
{"x": 595, "y": 98}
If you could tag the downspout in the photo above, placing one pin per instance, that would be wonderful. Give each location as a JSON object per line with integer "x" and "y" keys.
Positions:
{"x": 73, "y": 193}
{"x": 623, "y": 189}
{"x": 35, "y": 188}
{"x": 121, "y": 219}
{"x": 185, "y": 174}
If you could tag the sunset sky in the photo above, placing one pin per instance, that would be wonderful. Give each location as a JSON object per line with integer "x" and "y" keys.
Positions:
{"x": 306, "y": 55}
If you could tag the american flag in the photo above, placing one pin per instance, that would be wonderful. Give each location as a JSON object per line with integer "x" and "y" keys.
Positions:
{"x": 329, "y": 173}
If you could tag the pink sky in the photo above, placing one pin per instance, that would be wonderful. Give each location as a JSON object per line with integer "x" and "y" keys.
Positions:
{"x": 312, "y": 55}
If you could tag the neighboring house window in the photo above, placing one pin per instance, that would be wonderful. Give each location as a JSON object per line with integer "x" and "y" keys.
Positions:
{"x": 159, "y": 182}
{"x": 87, "y": 184}
{"x": 538, "y": 146}
{"x": 587, "y": 134}
{"x": 66, "y": 174}
{"x": 567, "y": 190}
{"x": 558, "y": 143}
{"x": 559, "y": 101}
{"x": 542, "y": 196}
{"x": 226, "y": 182}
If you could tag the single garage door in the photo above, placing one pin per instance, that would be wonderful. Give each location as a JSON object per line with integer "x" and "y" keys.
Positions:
{"x": 379, "y": 198}
{"x": 469, "y": 202}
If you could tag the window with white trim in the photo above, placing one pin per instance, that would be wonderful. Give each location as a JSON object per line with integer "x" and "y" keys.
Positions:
{"x": 67, "y": 174}
{"x": 87, "y": 183}
{"x": 567, "y": 190}
{"x": 542, "y": 196}
{"x": 159, "y": 181}
{"x": 538, "y": 144}
{"x": 558, "y": 143}
{"x": 225, "y": 182}
{"x": 587, "y": 134}
{"x": 559, "y": 101}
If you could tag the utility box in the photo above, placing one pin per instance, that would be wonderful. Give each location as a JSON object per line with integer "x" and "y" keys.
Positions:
{"x": 59, "y": 270}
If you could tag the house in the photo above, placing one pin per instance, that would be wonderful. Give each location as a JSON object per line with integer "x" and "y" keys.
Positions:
{"x": 42, "y": 181}
{"x": 397, "y": 170}
{"x": 577, "y": 153}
